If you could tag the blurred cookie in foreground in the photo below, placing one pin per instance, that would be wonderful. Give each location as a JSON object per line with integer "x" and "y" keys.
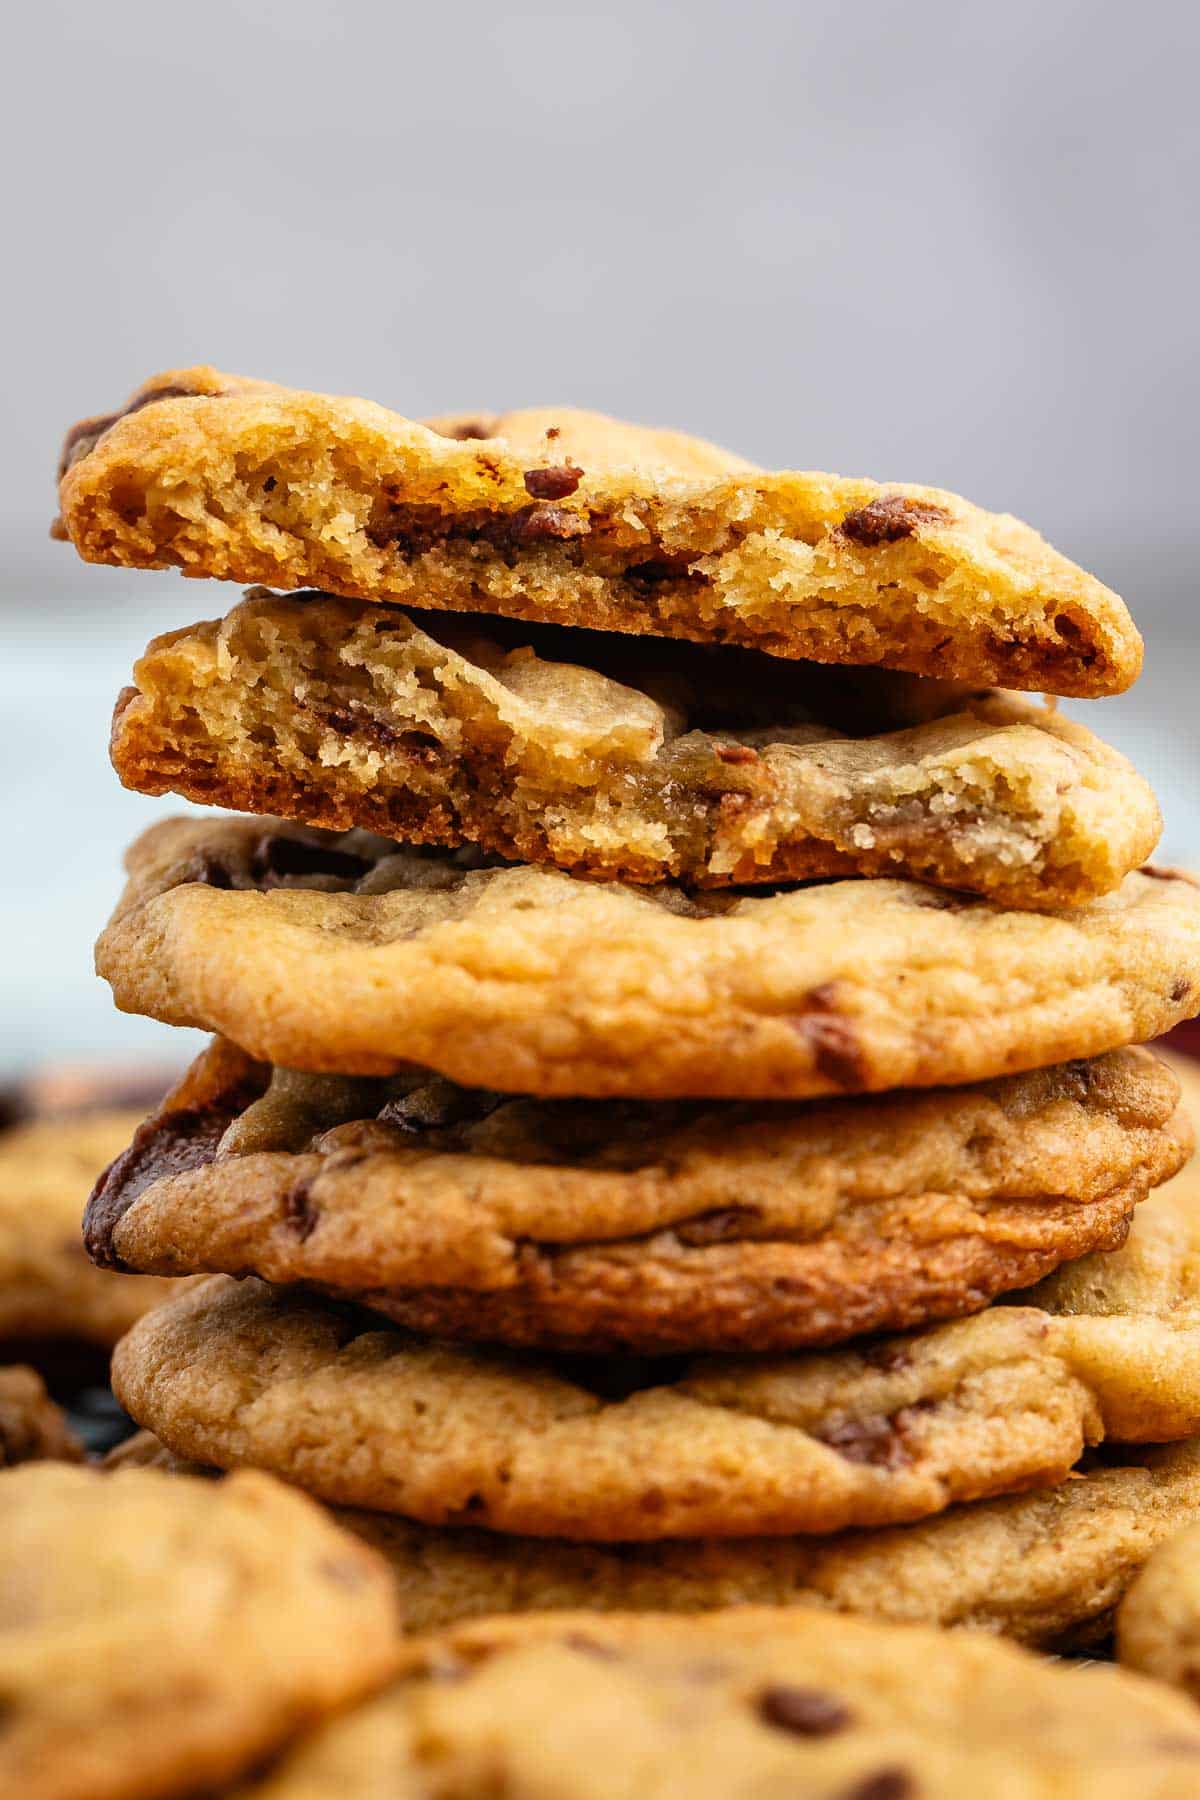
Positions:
{"x": 161, "y": 1636}
{"x": 65, "y": 1089}
{"x": 748, "y": 1702}
{"x": 32, "y": 1427}
{"x": 1158, "y": 1625}
{"x": 53, "y": 1301}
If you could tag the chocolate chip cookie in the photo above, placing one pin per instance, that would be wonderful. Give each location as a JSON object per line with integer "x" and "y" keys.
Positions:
{"x": 353, "y": 955}
{"x": 602, "y": 1225}
{"x": 1046, "y": 1568}
{"x": 48, "y": 1288}
{"x": 363, "y": 1414}
{"x": 575, "y": 519}
{"x": 747, "y": 1702}
{"x": 1158, "y": 1624}
{"x": 620, "y": 757}
{"x": 161, "y": 1635}
{"x": 32, "y": 1428}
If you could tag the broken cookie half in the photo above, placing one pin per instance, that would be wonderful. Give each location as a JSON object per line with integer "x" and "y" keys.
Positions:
{"x": 571, "y": 518}
{"x": 627, "y": 758}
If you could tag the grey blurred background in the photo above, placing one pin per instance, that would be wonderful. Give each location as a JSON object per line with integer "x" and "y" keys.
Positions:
{"x": 936, "y": 241}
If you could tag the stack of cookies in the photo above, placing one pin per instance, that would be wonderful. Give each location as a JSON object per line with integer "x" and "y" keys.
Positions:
{"x": 673, "y": 1115}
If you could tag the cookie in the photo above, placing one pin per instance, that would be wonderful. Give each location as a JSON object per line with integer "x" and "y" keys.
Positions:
{"x": 48, "y": 1288}
{"x": 575, "y": 519}
{"x": 353, "y": 955}
{"x": 582, "y": 750}
{"x": 364, "y": 1414}
{"x": 161, "y": 1635}
{"x": 748, "y": 1702}
{"x": 32, "y": 1428}
{"x": 1158, "y": 1624}
{"x": 1140, "y": 1313}
{"x": 649, "y": 1227}
{"x": 1046, "y": 1568}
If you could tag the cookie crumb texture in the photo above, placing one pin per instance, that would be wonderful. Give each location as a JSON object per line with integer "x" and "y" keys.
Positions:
{"x": 660, "y": 534}
{"x": 355, "y": 955}
{"x": 747, "y": 1702}
{"x": 594, "y": 1226}
{"x": 607, "y": 756}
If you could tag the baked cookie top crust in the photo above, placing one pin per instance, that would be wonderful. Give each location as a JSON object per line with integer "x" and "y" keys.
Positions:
{"x": 162, "y": 1635}
{"x": 352, "y": 954}
{"x": 649, "y": 1227}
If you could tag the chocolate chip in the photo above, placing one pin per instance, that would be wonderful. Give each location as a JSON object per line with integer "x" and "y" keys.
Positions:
{"x": 809, "y": 1712}
{"x": 171, "y": 1143}
{"x": 210, "y": 871}
{"x": 83, "y": 437}
{"x": 540, "y": 525}
{"x": 870, "y": 1441}
{"x": 836, "y": 1049}
{"x": 439, "y": 1106}
{"x": 299, "y": 1212}
{"x": 421, "y": 746}
{"x": 885, "y": 1784}
{"x": 888, "y": 519}
{"x": 468, "y": 429}
{"x": 282, "y": 855}
{"x": 877, "y": 1441}
{"x": 553, "y": 483}
{"x": 554, "y": 431}
{"x": 576, "y": 1640}
{"x": 1180, "y": 989}
{"x": 736, "y": 753}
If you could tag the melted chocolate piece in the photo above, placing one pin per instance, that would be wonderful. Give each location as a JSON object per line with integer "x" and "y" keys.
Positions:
{"x": 279, "y": 854}
{"x": 170, "y": 1143}
{"x": 439, "y": 1106}
{"x": 554, "y": 483}
{"x": 83, "y": 437}
{"x": 888, "y": 519}
{"x": 808, "y": 1712}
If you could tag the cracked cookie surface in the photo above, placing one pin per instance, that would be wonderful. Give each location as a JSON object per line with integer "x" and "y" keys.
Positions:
{"x": 752, "y": 1701}
{"x": 598, "y": 1225}
{"x": 623, "y": 758}
{"x": 571, "y": 518}
{"x": 355, "y": 955}
{"x": 161, "y": 1635}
